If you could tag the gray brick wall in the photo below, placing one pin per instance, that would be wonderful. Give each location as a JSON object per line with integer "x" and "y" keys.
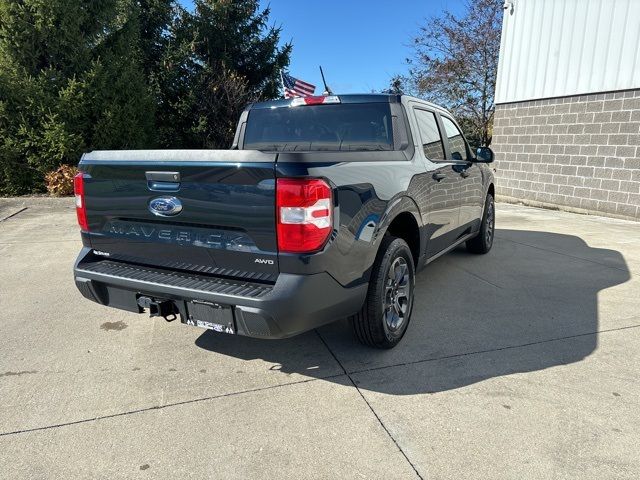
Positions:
{"x": 577, "y": 153}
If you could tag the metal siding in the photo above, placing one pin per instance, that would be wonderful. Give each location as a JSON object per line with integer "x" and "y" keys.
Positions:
{"x": 555, "y": 48}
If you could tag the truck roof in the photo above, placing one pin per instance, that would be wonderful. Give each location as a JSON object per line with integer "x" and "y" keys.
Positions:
{"x": 350, "y": 98}
{"x": 344, "y": 98}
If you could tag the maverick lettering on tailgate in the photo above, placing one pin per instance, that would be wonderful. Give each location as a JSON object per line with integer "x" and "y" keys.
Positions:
{"x": 199, "y": 237}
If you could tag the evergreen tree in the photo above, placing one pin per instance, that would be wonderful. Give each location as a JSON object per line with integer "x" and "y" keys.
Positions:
{"x": 155, "y": 17}
{"x": 71, "y": 80}
{"x": 222, "y": 56}
{"x": 79, "y": 75}
{"x": 121, "y": 108}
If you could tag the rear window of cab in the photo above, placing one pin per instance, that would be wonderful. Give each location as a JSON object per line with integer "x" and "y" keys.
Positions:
{"x": 333, "y": 127}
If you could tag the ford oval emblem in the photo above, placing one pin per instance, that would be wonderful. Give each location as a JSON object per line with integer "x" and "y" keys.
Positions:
{"x": 165, "y": 206}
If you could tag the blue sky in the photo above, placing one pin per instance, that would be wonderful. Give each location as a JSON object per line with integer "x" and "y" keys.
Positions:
{"x": 360, "y": 44}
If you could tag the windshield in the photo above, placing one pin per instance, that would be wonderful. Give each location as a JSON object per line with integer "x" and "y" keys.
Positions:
{"x": 340, "y": 127}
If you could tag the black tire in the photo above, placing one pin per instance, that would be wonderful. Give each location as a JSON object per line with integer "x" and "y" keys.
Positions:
{"x": 483, "y": 242}
{"x": 385, "y": 315}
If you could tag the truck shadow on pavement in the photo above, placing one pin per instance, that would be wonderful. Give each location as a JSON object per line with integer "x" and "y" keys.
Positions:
{"x": 530, "y": 304}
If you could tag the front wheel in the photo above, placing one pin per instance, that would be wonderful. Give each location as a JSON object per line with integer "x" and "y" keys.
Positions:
{"x": 483, "y": 242}
{"x": 384, "y": 317}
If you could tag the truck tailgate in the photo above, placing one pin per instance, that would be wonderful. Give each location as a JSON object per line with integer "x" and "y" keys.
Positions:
{"x": 205, "y": 211}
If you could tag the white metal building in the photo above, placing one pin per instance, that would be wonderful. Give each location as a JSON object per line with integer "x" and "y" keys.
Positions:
{"x": 567, "y": 123}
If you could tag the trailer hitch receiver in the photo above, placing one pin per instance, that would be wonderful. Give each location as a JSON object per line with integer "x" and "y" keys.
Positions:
{"x": 159, "y": 308}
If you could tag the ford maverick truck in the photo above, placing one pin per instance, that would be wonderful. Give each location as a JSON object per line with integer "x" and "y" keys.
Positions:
{"x": 324, "y": 208}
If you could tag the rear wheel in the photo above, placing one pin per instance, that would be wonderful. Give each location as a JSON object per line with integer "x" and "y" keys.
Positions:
{"x": 383, "y": 319}
{"x": 483, "y": 242}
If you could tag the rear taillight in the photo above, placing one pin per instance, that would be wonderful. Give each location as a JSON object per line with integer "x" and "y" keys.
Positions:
{"x": 304, "y": 214}
{"x": 81, "y": 208}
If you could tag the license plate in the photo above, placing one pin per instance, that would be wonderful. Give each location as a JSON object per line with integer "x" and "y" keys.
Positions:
{"x": 210, "y": 316}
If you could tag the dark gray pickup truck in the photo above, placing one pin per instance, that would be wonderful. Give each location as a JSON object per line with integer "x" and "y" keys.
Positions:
{"x": 324, "y": 208}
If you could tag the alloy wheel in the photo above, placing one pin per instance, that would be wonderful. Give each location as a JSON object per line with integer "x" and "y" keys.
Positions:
{"x": 491, "y": 219}
{"x": 397, "y": 295}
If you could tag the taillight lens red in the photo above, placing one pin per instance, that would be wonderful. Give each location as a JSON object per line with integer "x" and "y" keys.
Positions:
{"x": 81, "y": 208}
{"x": 304, "y": 214}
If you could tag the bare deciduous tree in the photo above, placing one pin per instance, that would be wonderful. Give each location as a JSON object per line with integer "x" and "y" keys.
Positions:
{"x": 225, "y": 96}
{"x": 455, "y": 64}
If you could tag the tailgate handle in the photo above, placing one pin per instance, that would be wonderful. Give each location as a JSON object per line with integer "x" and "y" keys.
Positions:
{"x": 163, "y": 181}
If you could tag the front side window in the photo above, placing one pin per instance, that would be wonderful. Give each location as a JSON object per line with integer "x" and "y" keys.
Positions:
{"x": 457, "y": 144}
{"x": 430, "y": 134}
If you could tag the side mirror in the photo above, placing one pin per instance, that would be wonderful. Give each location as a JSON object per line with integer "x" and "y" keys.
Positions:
{"x": 484, "y": 155}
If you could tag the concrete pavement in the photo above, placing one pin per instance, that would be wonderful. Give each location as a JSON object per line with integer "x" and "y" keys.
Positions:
{"x": 518, "y": 364}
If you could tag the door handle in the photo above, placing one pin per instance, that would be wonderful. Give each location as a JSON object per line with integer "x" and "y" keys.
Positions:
{"x": 163, "y": 181}
{"x": 438, "y": 176}
{"x": 163, "y": 176}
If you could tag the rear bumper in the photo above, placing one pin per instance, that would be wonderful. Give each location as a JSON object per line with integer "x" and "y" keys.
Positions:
{"x": 294, "y": 304}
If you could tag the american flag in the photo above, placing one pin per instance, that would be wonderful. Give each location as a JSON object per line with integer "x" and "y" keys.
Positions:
{"x": 294, "y": 87}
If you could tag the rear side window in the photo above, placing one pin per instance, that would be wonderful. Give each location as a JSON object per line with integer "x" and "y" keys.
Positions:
{"x": 457, "y": 144}
{"x": 341, "y": 127}
{"x": 430, "y": 135}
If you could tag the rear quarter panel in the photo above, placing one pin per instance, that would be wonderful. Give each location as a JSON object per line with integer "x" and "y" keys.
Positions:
{"x": 368, "y": 195}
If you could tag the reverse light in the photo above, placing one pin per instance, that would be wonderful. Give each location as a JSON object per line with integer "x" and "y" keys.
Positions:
{"x": 304, "y": 214}
{"x": 81, "y": 208}
{"x": 315, "y": 100}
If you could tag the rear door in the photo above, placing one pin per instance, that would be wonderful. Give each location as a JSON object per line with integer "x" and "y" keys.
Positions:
{"x": 202, "y": 211}
{"x": 440, "y": 201}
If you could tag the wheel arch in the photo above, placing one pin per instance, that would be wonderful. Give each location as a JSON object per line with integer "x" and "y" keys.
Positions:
{"x": 402, "y": 220}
